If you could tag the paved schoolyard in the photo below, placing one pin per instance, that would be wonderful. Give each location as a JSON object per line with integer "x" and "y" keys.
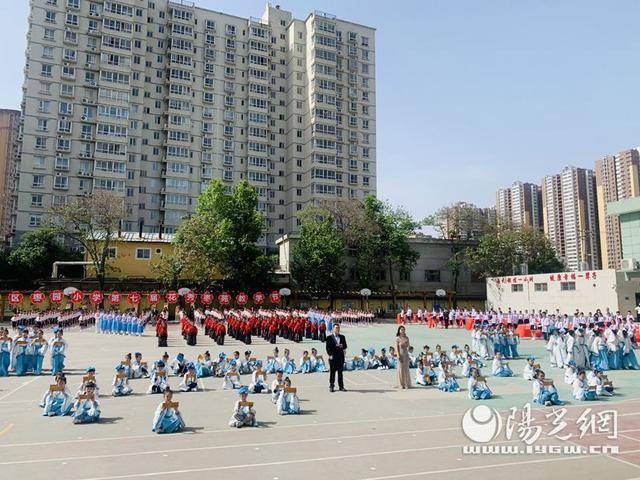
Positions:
{"x": 373, "y": 431}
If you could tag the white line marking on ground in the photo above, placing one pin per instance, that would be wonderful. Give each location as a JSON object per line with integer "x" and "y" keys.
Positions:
{"x": 227, "y": 430}
{"x": 18, "y": 388}
{"x": 233, "y": 445}
{"x": 466, "y": 469}
{"x": 284, "y": 462}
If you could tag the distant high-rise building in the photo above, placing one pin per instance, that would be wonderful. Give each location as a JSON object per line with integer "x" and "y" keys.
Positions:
{"x": 466, "y": 221}
{"x": 617, "y": 178}
{"x": 9, "y": 154}
{"x": 520, "y": 205}
{"x": 570, "y": 217}
{"x": 153, "y": 100}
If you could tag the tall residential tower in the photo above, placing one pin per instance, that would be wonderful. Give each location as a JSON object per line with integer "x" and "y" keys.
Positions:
{"x": 617, "y": 178}
{"x": 153, "y": 99}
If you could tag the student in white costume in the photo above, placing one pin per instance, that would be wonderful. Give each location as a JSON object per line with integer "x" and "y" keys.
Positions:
{"x": 87, "y": 406}
{"x": 120, "y": 384}
{"x": 189, "y": 381}
{"x": 288, "y": 402}
{"x": 258, "y": 380}
{"x": 167, "y": 418}
{"x": 244, "y": 415}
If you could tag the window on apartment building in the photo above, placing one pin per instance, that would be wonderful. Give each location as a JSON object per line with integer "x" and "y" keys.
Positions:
{"x": 36, "y": 200}
{"x": 143, "y": 253}
{"x": 567, "y": 286}
{"x": 540, "y": 287}
{"x": 432, "y": 276}
{"x": 35, "y": 220}
{"x": 50, "y": 16}
{"x": 518, "y": 287}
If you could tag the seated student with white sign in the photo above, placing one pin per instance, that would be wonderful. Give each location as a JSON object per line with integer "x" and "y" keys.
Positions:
{"x": 167, "y": 418}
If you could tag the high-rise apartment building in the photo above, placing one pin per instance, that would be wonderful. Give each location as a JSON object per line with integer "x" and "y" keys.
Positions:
{"x": 153, "y": 99}
{"x": 520, "y": 205}
{"x": 570, "y": 216}
{"x": 617, "y": 178}
{"x": 9, "y": 154}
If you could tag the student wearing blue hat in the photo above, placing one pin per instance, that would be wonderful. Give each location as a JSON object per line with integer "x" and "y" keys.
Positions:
{"x": 22, "y": 351}
{"x": 89, "y": 377}
{"x": 121, "y": 386}
{"x": 58, "y": 348}
{"x": 159, "y": 382}
{"x": 87, "y": 407}
{"x": 244, "y": 415}
{"x": 189, "y": 381}
{"x": 167, "y": 418}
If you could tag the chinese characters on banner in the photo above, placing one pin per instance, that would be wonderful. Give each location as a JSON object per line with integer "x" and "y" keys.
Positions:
{"x": 553, "y": 277}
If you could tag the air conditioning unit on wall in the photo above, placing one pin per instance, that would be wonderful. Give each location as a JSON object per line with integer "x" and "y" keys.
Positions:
{"x": 628, "y": 264}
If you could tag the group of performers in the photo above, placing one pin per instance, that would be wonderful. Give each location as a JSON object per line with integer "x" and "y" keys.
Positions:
{"x": 48, "y": 318}
{"x": 25, "y": 354}
{"x": 122, "y": 323}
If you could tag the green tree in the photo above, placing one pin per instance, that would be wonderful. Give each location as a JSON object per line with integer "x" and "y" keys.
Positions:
{"x": 317, "y": 262}
{"x": 384, "y": 246}
{"x": 221, "y": 238}
{"x": 502, "y": 251}
{"x": 169, "y": 269}
{"x": 460, "y": 224}
{"x": 33, "y": 257}
{"x": 91, "y": 221}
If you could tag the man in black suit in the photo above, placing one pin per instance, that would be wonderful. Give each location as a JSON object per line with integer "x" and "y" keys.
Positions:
{"x": 336, "y": 345}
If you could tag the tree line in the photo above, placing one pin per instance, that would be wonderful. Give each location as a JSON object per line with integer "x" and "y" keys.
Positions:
{"x": 341, "y": 245}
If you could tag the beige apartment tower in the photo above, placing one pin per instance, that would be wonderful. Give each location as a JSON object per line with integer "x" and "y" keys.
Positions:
{"x": 9, "y": 154}
{"x": 617, "y": 178}
{"x": 154, "y": 99}
{"x": 570, "y": 217}
{"x": 520, "y": 205}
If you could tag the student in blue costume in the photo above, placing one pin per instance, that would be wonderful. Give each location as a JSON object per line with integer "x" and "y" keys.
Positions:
{"x": 247, "y": 364}
{"x": 167, "y": 418}
{"x": 629, "y": 359}
{"x": 276, "y": 386}
{"x": 500, "y": 368}
{"x": 305, "y": 363}
{"x": 243, "y": 415}
{"x": 205, "y": 366}
{"x": 544, "y": 392}
{"x": 121, "y": 386}
{"x": 21, "y": 352}
{"x": 477, "y": 386}
{"x": 223, "y": 365}
{"x": 446, "y": 379}
{"x": 6, "y": 344}
{"x": 40, "y": 347}
{"x": 90, "y": 377}
{"x": 189, "y": 381}
{"x": 273, "y": 363}
{"x": 57, "y": 401}
{"x": 287, "y": 363}
{"x": 158, "y": 378}
{"x": 317, "y": 362}
{"x": 468, "y": 365}
{"x": 58, "y": 349}
{"x": 231, "y": 380}
{"x": 513, "y": 339}
{"x": 599, "y": 357}
{"x": 139, "y": 367}
{"x": 581, "y": 390}
{"x": 425, "y": 373}
{"x": 288, "y": 402}
{"x": 87, "y": 407}
{"x": 126, "y": 363}
{"x": 259, "y": 380}
{"x": 179, "y": 365}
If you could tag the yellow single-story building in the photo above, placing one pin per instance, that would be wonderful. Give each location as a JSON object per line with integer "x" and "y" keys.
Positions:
{"x": 132, "y": 255}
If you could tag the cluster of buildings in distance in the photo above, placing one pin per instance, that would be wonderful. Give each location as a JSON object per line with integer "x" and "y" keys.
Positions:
{"x": 579, "y": 210}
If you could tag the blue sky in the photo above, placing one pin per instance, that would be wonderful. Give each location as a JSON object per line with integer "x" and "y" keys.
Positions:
{"x": 470, "y": 95}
